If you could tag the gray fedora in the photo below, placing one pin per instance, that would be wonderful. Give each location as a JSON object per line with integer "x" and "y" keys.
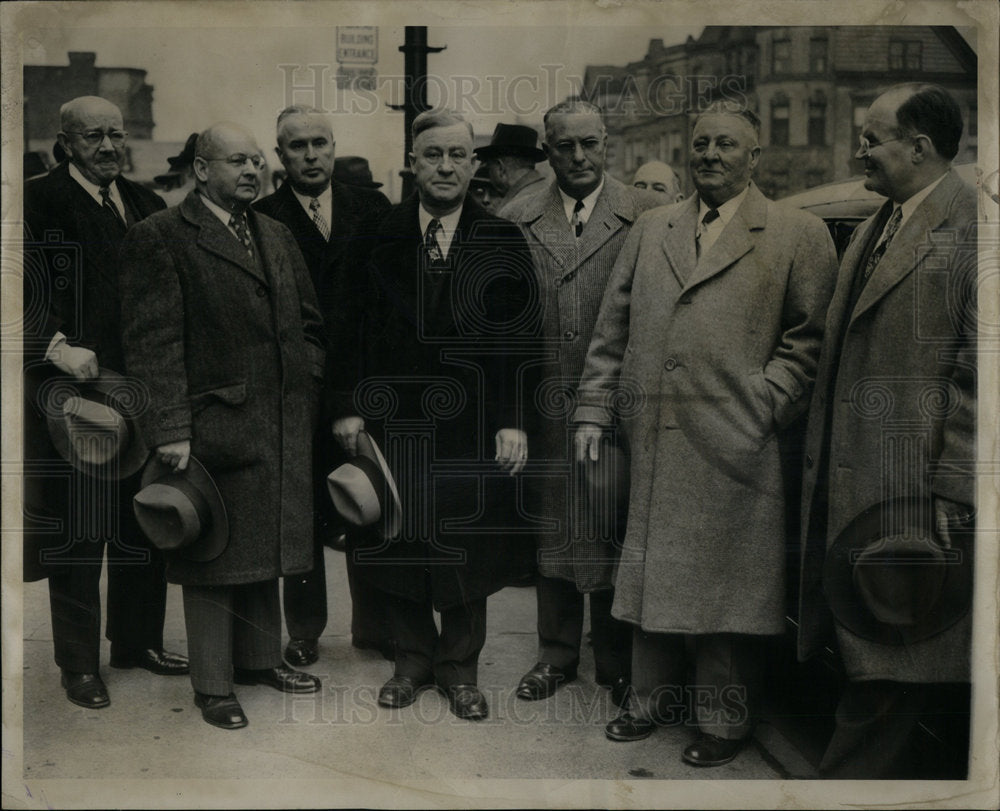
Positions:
{"x": 364, "y": 492}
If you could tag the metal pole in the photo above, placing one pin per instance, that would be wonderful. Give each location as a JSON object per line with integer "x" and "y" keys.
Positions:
{"x": 415, "y": 50}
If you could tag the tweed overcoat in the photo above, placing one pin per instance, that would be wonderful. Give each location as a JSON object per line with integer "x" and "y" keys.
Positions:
{"x": 70, "y": 286}
{"x": 573, "y": 274}
{"x": 443, "y": 353}
{"x": 894, "y": 412}
{"x": 231, "y": 350}
{"x": 704, "y": 362}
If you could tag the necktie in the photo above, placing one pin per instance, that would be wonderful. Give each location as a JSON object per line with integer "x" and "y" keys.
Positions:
{"x": 890, "y": 231}
{"x": 431, "y": 243}
{"x": 710, "y": 216}
{"x": 108, "y": 205}
{"x": 576, "y": 222}
{"x": 238, "y": 222}
{"x": 318, "y": 220}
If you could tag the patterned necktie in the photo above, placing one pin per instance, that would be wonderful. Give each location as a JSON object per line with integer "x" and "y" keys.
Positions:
{"x": 890, "y": 231}
{"x": 239, "y": 224}
{"x": 318, "y": 220}
{"x": 576, "y": 222}
{"x": 710, "y": 216}
{"x": 431, "y": 243}
{"x": 108, "y": 205}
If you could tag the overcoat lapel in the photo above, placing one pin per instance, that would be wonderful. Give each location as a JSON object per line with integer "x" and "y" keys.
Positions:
{"x": 678, "y": 244}
{"x": 215, "y": 238}
{"x": 604, "y": 222}
{"x": 550, "y": 222}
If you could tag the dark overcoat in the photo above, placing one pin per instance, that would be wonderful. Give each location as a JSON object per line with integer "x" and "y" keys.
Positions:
{"x": 704, "y": 361}
{"x": 445, "y": 352}
{"x": 894, "y": 412}
{"x": 573, "y": 274}
{"x": 70, "y": 286}
{"x": 231, "y": 350}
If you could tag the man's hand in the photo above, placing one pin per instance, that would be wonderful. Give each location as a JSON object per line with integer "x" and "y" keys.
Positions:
{"x": 175, "y": 454}
{"x": 951, "y": 515}
{"x": 512, "y": 449}
{"x": 346, "y": 430}
{"x": 75, "y": 360}
{"x": 587, "y": 442}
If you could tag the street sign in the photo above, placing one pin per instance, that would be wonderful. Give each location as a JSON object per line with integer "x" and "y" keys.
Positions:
{"x": 357, "y": 44}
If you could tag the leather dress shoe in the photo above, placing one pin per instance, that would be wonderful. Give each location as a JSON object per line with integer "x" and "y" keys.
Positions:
{"x": 543, "y": 680}
{"x": 221, "y": 711}
{"x": 626, "y": 727}
{"x": 280, "y": 678}
{"x": 85, "y": 690}
{"x": 302, "y": 652}
{"x": 467, "y": 702}
{"x": 710, "y": 750}
{"x": 400, "y": 691}
{"x": 161, "y": 662}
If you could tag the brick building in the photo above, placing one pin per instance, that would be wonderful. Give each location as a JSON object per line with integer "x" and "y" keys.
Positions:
{"x": 810, "y": 85}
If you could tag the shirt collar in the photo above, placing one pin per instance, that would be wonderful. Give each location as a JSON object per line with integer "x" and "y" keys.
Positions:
{"x": 569, "y": 203}
{"x": 325, "y": 198}
{"x": 92, "y": 188}
{"x": 216, "y": 209}
{"x": 726, "y": 210}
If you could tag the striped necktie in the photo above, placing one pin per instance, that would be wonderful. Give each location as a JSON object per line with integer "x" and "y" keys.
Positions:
{"x": 238, "y": 222}
{"x": 108, "y": 205}
{"x": 890, "y": 231}
{"x": 318, "y": 219}
{"x": 430, "y": 242}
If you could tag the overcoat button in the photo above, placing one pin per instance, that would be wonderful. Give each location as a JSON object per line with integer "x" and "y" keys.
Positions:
{"x": 670, "y": 364}
{"x": 569, "y": 335}
{"x": 261, "y": 292}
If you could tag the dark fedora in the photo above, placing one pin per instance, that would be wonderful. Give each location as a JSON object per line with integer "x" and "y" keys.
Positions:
{"x": 888, "y": 578}
{"x": 481, "y": 179}
{"x": 186, "y": 156}
{"x": 607, "y": 481}
{"x": 364, "y": 492}
{"x": 512, "y": 139}
{"x": 93, "y": 427}
{"x": 353, "y": 170}
{"x": 182, "y": 511}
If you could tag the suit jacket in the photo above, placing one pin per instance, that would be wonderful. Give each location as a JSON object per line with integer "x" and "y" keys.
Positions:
{"x": 898, "y": 368}
{"x": 70, "y": 286}
{"x": 444, "y": 351}
{"x": 704, "y": 361}
{"x": 573, "y": 274}
{"x": 230, "y": 351}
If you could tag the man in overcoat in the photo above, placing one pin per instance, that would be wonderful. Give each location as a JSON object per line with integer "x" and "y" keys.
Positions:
{"x": 75, "y": 219}
{"x": 221, "y": 325}
{"x": 573, "y": 259}
{"x": 510, "y": 159}
{"x": 328, "y": 220}
{"x": 897, "y": 371}
{"x": 450, "y": 321}
{"x": 713, "y": 319}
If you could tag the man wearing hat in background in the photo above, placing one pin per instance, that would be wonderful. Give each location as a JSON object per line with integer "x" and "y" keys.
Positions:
{"x": 328, "y": 219}
{"x": 575, "y": 228}
{"x": 894, "y": 417}
{"x": 510, "y": 160}
{"x": 75, "y": 219}
{"x": 220, "y": 324}
{"x": 180, "y": 179}
{"x": 353, "y": 170}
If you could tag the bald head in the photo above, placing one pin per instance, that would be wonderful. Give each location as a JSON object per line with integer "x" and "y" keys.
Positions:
{"x": 227, "y": 165}
{"x": 93, "y": 136}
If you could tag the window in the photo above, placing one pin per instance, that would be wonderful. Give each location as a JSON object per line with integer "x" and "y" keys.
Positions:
{"x": 817, "y": 55}
{"x": 779, "y": 121}
{"x": 817, "y": 120}
{"x": 905, "y": 55}
{"x": 781, "y": 56}
{"x": 675, "y": 147}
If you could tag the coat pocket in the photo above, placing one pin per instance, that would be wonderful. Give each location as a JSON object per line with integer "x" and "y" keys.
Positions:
{"x": 223, "y": 436}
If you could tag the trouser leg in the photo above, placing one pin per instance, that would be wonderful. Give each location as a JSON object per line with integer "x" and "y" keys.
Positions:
{"x": 75, "y": 603}
{"x": 305, "y": 599}
{"x": 413, "y": 628}
{"x": 612, "y": 639}
{"x": 256, "y": 626}
{"x": 208, "y": 617}
{"x": 560, "y": 622}
{"x": 658, "y": 665}
{"x": 369, "y": 611}
{"x": 729, "y": 675}
{"x": 463, "y": 634}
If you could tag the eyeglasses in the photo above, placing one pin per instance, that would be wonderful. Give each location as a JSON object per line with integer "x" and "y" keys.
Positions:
{"x": 238, "y": 161}
{"x": 96, "y": 137}
{"x": 867, "y": 146}
{"x": 569, "y": 147}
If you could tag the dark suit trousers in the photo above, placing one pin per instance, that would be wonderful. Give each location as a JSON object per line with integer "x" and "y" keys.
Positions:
{"x": 724, "y": 695}
{"x": 137, "y": 589}
{"x": 451, "y": 656}
{"x": 560, "y": 629}
{"x": 231, "y": 626}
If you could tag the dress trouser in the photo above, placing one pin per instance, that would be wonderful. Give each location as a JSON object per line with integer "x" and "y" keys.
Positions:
{"x": 451, "y": 656}
{"x": 231, "y": 626}
{"x": 560, "y": 629}
{"x": 724, "y": 696}
{"x": 137, "y": 586}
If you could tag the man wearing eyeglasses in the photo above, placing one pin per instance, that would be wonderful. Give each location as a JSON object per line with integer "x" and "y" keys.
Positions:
{"x": 75, "y": 219}
{"x": 894, "y": 416}
{"x": 221, "y": 325}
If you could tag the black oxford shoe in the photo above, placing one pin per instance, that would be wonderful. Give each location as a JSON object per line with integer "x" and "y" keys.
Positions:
{"x": 710, "y": 750}
{"x": 543, "y": 680}
{"x": 85, "y": 690}
{"x": 224, "y": 712}
{"x": 161, "y": 662}
{"x": 302, "y": 652}
{"x": 400, "y": 691}
{"x": 280, "y": 678}
{"x": 467, "y": 702}
{"x": 626, "y": 727}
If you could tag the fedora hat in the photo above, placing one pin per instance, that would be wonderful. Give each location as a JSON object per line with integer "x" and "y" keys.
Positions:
{"x": 93, "y": 427}
{"x": 354, "y": 170}
{"x": 512, "y": 139}
{"x": 364, "y": 492}
{"x": 186, "y": 156}
{"x": 888, "y": 578}
{"x": 182, "y": 511}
